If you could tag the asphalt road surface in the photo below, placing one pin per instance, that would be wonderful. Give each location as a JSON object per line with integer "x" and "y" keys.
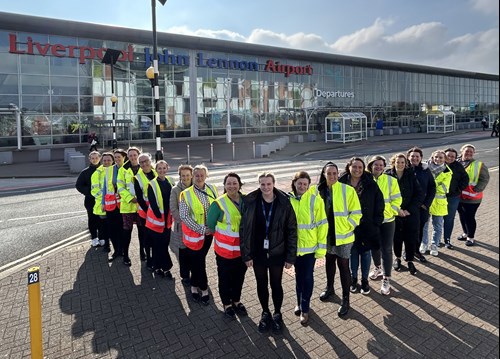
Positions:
{"x": 40, "y": 216}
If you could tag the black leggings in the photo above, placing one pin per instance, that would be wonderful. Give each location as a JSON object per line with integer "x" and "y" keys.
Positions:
{"x": 275, "y": 279}
{"x": 467, "y": 213}
{"x": 345, "y": 273}
{"x": 406, "y": 232}
{"x": 198, "y": 264}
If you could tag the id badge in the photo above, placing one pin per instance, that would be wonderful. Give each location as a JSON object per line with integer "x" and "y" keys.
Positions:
{"x": 266, "y": 243}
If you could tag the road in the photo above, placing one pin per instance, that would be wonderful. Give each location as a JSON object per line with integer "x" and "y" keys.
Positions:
{"x": 49, "y": 211}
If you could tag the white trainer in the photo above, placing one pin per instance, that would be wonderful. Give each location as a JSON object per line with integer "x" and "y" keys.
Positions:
{"x": 385, "y": 289}
{"x": 102, "y": 242}
{"x": 423, "y": 248}
{"x": 434, "y": 250}
{"x": 95, "y": 242}
{"x": 376, "y": 272}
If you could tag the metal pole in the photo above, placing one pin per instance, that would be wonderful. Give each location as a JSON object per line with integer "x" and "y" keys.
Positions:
{"x": 19, "y": 128}
{"x": 113, "y": 104}
{"x": 253, "y": 147}
{"x": 188, "y": 155}
{"x": 228, "y": 101}
{"x": 211, "y": 152}
{"x": 159, "y": 153}
{"x": 233, "y": 152}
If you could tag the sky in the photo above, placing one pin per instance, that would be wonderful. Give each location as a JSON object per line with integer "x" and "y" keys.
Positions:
{"x": 455, "y": 34}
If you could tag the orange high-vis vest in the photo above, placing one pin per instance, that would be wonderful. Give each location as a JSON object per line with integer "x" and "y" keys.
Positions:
{"x": 473, "y": 170}
{"x": 143, "y": 183}
{"x": 191, "y": 239}
{"x": 152, "y": 222}
{"x": 111, "y": 198}
{"x": 227, "y": 236}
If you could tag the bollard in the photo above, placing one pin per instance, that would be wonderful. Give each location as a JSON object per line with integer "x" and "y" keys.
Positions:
{"x": 253, "y": 146}
{"x": 233, "y": 152}
{"x": 188, "y": 156}
{"x": 35, "y": 312}
{"x": 211, "y": 152}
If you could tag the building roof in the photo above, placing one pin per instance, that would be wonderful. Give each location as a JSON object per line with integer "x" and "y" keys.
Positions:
{"x": 42, "y": 25}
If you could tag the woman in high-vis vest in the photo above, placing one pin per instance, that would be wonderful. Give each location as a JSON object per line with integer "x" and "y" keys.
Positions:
{"x": 268, "y": 242}
{"x": 105, "y": 199}
{"x": 194, "y": 203}
{"x": 114, "y": 217}
{"x": 471, "y": 197}
{"x": 223, "y": 218}
{"x": 176, "y": 243}
{"x": 343, "y": 211}
{"x": 439, "y": 207}
{"x": 367, "y": 234}
{"x": 145, "y": 174}
{"x": 312, "y": 228}
{"x": 159, "y": 219}
{"x": 382, "y": 258}
{"x": 128, "y": 203}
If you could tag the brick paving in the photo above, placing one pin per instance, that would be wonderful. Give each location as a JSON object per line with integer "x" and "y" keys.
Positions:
{"x": 93, "y": 309}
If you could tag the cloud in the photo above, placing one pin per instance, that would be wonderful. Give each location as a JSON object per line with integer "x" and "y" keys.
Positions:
{"x": 421, "y": 44}
{"x": 486, "y": 7}
{"x": 212, "y": 34}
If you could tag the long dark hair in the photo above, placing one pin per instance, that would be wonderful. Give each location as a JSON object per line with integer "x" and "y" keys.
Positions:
{"x": 322, "y": 177}
{"x": 351, "y": 161}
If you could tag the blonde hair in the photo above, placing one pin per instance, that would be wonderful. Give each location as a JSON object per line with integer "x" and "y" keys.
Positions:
{"x": 201, "y": 167}
{"x": 267, "y": 174}
{"x": 468, "y": 145}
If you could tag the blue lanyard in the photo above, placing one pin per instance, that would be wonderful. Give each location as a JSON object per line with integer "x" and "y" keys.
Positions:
{"x": 268, "y": 216}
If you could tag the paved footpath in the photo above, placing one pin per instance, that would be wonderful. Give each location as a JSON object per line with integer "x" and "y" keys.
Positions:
{"x": 92, "y": 309}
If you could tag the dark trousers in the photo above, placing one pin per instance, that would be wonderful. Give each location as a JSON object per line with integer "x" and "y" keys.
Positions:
{"x": 424, "y": 217}
{"x": 144, "y": 247}
{"x": 104, "y": 230}
{"x": 159, "y": 244}
{"x": 93, "y": 221}
{"x": 304, "y": 280}
{"x": 467, "y": 213}
{"x": 115, "y": 227}
{"x": 184, "y": 269}
{"x": 198, "y": 263}
{"x": 128, "y": 224}
{"x": 345, "y": 273}
{"x": 406, "y": 232}
{"x": 231, "y": 273}
{"x": 449, "y": 219}
{"x": 384, "y": 254}
{"x": 261, "y": 269}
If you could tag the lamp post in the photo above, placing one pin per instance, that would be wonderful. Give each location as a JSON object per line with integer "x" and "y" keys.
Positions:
{"x": 110, "y": 58}
{"x": 228, "y": 102}
{"x": 152, "y": 73}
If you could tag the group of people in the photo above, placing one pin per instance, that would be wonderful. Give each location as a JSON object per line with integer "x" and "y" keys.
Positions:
{"x": 369, "y": 211}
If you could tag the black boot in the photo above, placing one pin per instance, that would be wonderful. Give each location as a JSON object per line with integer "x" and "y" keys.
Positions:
{"x": 326, "y": 293}
{"x": 344, "y": 306}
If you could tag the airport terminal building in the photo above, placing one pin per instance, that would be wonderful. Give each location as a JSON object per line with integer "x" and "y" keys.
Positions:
{"x": 52, "y": 72}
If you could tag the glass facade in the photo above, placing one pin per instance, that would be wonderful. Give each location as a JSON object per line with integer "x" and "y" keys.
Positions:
{"x": 64, "y": 91}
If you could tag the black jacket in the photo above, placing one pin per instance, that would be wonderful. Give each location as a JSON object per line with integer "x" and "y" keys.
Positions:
{"x": 282, "y": 231}
{"x": 459, "y": 179}
{"x": 83, "y": 185}
{"x": 367, "y": 234}
{"x": 411, "y": 191}
{"x": 427, "y": 183}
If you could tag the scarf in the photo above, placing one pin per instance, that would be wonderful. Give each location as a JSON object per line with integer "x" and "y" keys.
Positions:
{"x": 435, "y": 169}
